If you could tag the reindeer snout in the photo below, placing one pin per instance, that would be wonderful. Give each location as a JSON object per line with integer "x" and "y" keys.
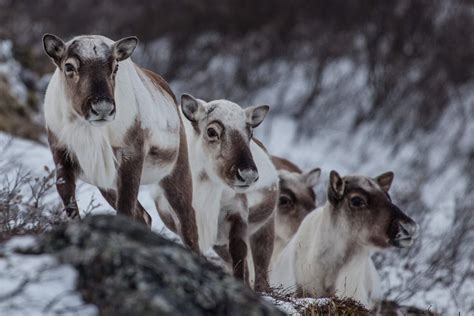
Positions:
{"x": 246, "y": 177}
{"x": 407, "y": 233}
{"x": 102, "y": 107}
{"x": 101, "y": 110}
{"x": 409, "y": 229}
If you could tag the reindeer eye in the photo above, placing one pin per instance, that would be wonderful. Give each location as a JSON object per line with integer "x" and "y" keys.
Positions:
{"x": 357, "y": 202}
{"x": 212, "y": 133}
{"x": 285, "y": 201}
{"x": 69, "y": 67}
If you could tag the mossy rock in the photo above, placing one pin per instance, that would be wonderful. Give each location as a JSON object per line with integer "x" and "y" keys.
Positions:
{"x": 126, "y": 269}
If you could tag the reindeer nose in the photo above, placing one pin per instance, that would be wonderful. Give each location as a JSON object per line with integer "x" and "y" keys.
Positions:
{"x": 409, "y": 229}
{"x": 407, "y": 232}
{"x": 247, "y": 176}
{"x": 102, "y": 109}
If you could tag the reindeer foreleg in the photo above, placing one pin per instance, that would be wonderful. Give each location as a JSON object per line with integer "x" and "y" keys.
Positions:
{"x": 66, "y": 169}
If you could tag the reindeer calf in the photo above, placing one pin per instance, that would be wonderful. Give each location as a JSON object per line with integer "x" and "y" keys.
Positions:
{"x": 330, "y": 253}
{"x": 296, "y": 200}
{"x": 231, "y": 175}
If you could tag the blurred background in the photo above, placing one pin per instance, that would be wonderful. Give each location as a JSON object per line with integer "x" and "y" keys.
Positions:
{"x": 357, "y": 86}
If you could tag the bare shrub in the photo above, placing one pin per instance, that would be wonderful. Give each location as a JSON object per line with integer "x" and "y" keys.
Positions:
{"x": 22, "y": 204}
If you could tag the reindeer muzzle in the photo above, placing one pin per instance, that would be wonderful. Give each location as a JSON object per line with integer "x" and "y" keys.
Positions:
{"x": 244, "y": 178}
{"x": 102, "y": 110}
{"x": 406, "y": 234}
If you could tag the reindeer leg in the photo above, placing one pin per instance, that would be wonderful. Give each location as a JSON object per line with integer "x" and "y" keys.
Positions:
{"x": 237, "y": 244}
{"x": 128, "y": 184}
{"x": 165, "y": 212}
{"x": 223, "y": 252}
{"x": 178, "y": 190}
{"x": 66, "y": 170}
{"x": 179, "y": 197}
{"x": 141, "y": 210}
{"x": 261, "y": 245}
{"x": 129, "y": 172}
{"x": 111, "y": 197}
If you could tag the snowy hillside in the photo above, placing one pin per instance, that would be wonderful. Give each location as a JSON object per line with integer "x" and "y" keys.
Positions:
{"x": 359, "y": 88}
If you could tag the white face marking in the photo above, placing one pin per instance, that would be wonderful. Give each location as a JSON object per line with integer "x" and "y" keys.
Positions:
{"x": 229, "y": 113}
{"x": 92, "y": 47}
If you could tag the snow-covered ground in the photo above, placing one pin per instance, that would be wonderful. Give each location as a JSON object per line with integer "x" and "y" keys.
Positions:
{"x": 32, "y": 157}
{"x": 430, "y": 168}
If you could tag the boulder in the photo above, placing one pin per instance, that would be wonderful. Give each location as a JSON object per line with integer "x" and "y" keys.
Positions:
{"x": 126, "y": 269}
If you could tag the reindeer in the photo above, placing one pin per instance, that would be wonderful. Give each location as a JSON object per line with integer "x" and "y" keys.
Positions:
{"x": 330, "y": 253}
{"x": 232, "y": 176}
{"x": 116, "y": 126}
{"x": 296, "y": 200}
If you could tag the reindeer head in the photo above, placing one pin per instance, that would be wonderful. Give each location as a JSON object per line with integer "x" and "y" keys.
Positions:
{"x": 368, "y": 211}
{"x": 88, "y": 66}
{"x": 224, "y": 131}
{"x": 296, "y": 200}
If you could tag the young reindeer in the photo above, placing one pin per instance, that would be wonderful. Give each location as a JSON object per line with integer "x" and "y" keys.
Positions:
{"x": 231, "y": 175}
{"x": 296, "y": 200}
{"x": 116, "y": 126}
{"x": 330, "y": 253}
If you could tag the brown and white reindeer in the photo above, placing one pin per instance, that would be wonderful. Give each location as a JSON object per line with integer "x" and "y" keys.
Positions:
{"x": 330, "y": 253}
{"x": 231, "y": 176}
{"x": 296, "y": 200}
{"x": 116, "y": 126}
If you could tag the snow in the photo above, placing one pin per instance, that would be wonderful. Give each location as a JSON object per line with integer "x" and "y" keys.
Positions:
{"x": 38, "y": 284}
{"x": 288, "y": 306}
{"x": 51, "y": 286}
{"x": 330, "y": 149}
{"x": 424, "y": 162}
{"x": 34, "y": 157}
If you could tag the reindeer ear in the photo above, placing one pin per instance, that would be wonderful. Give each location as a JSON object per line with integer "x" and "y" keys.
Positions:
{"x": 256, "y": 114}
{"x": 312, "y": 177}
{"x": 54, "y": 47}
{"x": 122, "y": 49}
{"x": 336, "y": 186}
{"x": 385, "y": 180}
{"x": 191, "y": 107}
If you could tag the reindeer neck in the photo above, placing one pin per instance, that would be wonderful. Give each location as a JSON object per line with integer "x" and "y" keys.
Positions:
{"x": 337, "y": 244}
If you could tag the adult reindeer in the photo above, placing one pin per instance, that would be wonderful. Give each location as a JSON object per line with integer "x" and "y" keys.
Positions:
{"x": 116, "y": 126}
{"x": 330, "y": 253}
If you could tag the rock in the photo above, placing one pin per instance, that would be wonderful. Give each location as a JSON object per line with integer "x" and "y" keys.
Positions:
{"x": 125, "y": 269}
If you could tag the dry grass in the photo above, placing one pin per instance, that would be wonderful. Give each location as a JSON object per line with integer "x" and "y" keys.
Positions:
{"x": 336, "y": 306}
